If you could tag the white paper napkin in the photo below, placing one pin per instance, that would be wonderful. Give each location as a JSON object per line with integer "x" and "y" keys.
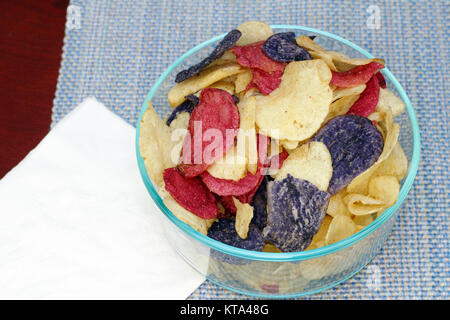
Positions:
{"x": 76, "y": 221}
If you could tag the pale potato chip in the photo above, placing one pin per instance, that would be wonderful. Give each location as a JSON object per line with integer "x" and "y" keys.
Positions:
{"x": 179, "y": 129}
{"x": 363, "y": 221}
{"x": 395, "y": 165}
{"x": 319, "y": 238}
{"x": 390, "y": 132}
{"x": 199, "y": 224}
{"x": 298, "y": 107}
{"x": 223, "y": 85}
{"x": 384, "y": 188}
{"x": 359, "y": 204}
{"x": 341, "y": 227}
{"x": 288, "y": 144}
{"x": 242, "y": 80}
{"x": 359, "y": 227}
{"x": 336, "y": 61}
{"x": 155, "y": 145}
{"x": 336, "y": 206}
{"x": 312, "y": 162}
{"x": 345, "y": 92}
{"x": 341, "y": 106}
{"x": 227, "y": 57}
{"x": 206, "y": 78}
{"x": 232, "y": 167}
{"x": 271, "y": 248}
{"x": 388, "y": 99}
{"x": 246, "y": 137}
{"x": 244, "y": 215}
{"x": 253, "y": 31}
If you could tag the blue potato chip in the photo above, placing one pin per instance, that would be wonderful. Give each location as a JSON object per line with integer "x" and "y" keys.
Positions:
{"x": 227, "y": 43}
{"x": 225, "y": 231}
{"x": 235, "y": 98}
{"x": 282, "y": 47}
{"x": 187, "y": 105}
{"x": 354, "y": 144}
{"x": 296, "y": 211}
{"x": 259, "y": 204}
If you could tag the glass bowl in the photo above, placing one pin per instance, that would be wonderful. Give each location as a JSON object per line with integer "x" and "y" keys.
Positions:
{"x": 292, "y": 274}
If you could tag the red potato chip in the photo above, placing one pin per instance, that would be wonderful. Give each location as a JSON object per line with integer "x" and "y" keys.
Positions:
{"x": 191, "y": 194}
{"x": 381, "y": 80}
{"x": 228, "y": 203}
{"x": 248, "y": 184}
{"x": 368, "y": 100}
{"x": 266, "y": 72}
{"x": 215, "y": 113}
{"x": 356, "y": 76}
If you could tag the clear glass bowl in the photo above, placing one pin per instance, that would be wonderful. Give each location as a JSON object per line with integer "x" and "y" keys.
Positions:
{"x": 291, "y": 274}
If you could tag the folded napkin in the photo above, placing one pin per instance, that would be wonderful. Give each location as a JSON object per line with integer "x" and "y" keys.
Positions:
{"x": 76, "y": 221}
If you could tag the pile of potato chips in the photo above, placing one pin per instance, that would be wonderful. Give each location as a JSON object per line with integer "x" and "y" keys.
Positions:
{"x": 278, "y": 143}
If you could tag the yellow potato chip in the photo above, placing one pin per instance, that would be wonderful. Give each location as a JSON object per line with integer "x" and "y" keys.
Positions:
{"x": 223, "y": 85}
{"x": 384, "y": 188}
{"x": 312, "y": 162}
{"x": 244, "y": 215}
{"x": 341, "y": 227}
{"x": 297, "y": 108}
{"x": 363, "y": 221}
{"x": 227, "y": 57}
{"x": 395, "y": 165}
{"x": 345, "y": 92}
{"x": 232, "y": 167}
{"x": 336, "y": 61}
{"x": 388, "y": 99}
{"x": 156, "y": 145}
{"x": 246, "y": 137}
{"x": 242, "y": 80}
{"x": 336, "y": 206}
{"x": 206, "y": 78}
{"x": 271, "y": 248}
{"x": 199, "y": 224}
{"x": 390, "y": 132}
{"x": 341, "y": 106}
{"x": 319, "y": 238}
{"x": 179, "y": 129}
{"x": 288, "y": 144}
{"x": 359, "y": 204}
{"x": 253, "y": 31}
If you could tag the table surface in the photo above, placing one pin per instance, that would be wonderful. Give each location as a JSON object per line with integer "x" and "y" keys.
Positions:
{"x": 31, "y": 34}
{"x": 115, "y": 51}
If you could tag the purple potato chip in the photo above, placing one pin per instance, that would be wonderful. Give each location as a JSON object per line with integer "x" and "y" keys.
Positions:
{"x": 259, "y": 204}
{"x": 354, "y": 144}
{"x": 282, "y": 47}
{"x": 296, "y": 211}
{"x": 227, "y": 43}
{"x": 187, "y": 105}
{"x": 235, "y": 98}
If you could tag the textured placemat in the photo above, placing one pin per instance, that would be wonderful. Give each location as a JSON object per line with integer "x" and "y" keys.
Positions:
{"x": 115, "y": 50}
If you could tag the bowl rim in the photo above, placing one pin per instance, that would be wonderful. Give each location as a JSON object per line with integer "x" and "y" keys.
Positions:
{"x": 284, "y": 256}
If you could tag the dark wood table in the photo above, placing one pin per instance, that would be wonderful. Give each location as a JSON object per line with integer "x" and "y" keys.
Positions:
{"x": 31, "y": 38}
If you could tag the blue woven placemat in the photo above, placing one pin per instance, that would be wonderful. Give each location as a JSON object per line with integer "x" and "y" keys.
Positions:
{"x": 115, "y": 50}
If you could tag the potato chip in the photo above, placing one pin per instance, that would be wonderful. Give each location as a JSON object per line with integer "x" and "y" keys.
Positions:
{"x": 390, "y": 131}
{"x": 341, "y": 227}
{"x": 233, "y": 166}
{"x": 253, "y": 31}
{"x": 246, "y": 137}
{"x": 335, "y": 60}
{"x": 155, "y": 145}
{"x": 390, "y": 100}
{"x": 345, "y": 92}
{"x": 187, "y": 105}
{"x": 271, "y": 248}
{"x": 362, "y": 221}
{"x": 288, "y": 144}
{"x": 283, "y": 48}
{"x": 223, "y": 85}
{"x": 356, "y": 76}
{"x": 336, "y": 206}
{"x": 297, "y": 108}
{"x": 206, "y": 78}
{"x": 395, "y": 165}
{"x": 244, "y": 215}
{"x": 341, "y": 106}
{"x": 311, "y": 162}
{"x": 384, "y": 188}
{"x": 199, "y": 224}
{"x": 319, "y": 238}
{"x": 243, "y": 79}
{"x": 359, "y": 204}
{"x": 227, "y": 57}
{"x": 368, "y": 99}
